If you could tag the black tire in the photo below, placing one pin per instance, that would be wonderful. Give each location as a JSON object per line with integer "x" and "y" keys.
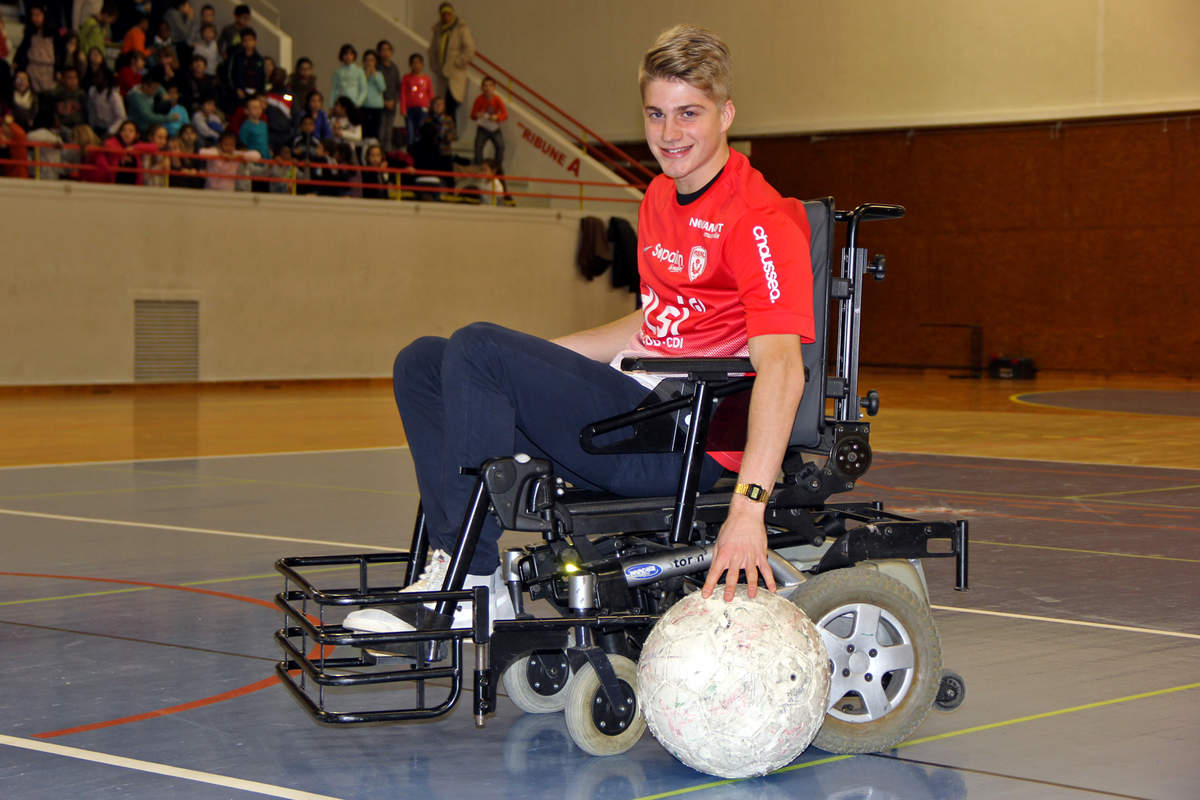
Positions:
{"x": 596, "y": 727}
{"x": 537, "y": 683}
{"x": 885, "y": 654}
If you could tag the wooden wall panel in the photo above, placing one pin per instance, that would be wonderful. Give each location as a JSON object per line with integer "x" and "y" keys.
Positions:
{"x": 1075, "y": 245}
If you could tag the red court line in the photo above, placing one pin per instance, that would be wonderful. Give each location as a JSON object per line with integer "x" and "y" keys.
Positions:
{"x": 162, "y": 712}
{"x": 241, "y": 691}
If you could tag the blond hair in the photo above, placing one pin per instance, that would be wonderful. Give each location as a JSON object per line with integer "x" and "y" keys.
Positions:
{"x": 691, "y": 54}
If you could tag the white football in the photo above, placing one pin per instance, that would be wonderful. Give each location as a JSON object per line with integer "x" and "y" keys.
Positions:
{"x": 734, "y": 689}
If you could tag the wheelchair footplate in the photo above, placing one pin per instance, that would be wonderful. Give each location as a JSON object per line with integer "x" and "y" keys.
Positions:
{"x": 416, "y": 674}
{"x": 423, "y": 669}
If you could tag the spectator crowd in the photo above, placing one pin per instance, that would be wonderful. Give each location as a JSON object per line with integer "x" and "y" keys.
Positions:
{"x": 162, "y": 93}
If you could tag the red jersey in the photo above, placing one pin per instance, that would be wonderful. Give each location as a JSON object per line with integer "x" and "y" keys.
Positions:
{"x": 731, "y": 265}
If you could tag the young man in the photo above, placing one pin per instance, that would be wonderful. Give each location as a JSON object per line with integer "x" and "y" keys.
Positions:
{"x": 247, "y": 72}
{"x": 725, "y": 271}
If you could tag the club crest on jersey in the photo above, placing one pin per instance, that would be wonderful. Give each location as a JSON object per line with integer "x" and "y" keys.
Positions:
{"x": 697, "y": 261}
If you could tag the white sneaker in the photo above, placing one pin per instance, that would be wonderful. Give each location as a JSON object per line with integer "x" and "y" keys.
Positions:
{"x": 376, "y": 620}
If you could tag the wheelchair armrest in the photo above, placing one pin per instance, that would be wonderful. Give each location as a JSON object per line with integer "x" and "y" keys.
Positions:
{"x": 694, "y": 368}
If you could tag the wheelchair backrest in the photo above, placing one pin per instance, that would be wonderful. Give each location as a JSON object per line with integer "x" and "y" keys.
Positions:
{"x": 809, "y": 426}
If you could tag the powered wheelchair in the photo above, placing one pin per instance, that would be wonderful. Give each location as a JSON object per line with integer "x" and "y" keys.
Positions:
{"x": 607, "y": 567}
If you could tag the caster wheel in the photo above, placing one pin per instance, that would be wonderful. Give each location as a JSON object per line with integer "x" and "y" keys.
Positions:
{"x": 951, "y": 691}
{"x": 595, "y": 726}
{"x": 537, "y": 683}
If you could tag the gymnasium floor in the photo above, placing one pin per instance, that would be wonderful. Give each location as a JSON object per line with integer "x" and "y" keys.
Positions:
{"x": 139, "y": 529}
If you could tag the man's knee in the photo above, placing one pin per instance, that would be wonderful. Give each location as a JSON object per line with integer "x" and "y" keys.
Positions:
{"x": 421, "y": 358}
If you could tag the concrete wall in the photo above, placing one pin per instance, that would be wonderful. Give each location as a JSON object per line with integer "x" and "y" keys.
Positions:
{"x": 809, "y": 65}
{"x": 288, "y": 287}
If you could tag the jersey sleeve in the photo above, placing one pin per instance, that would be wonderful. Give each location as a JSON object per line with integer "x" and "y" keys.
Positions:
{"x": 769, "y": 252}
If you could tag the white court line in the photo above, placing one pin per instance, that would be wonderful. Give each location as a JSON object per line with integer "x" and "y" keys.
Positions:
{"x": 162, "y": 769}
{"x": 204, "y": 458}
{"x": 1060, "y": 621}
{"x": 183, "y": 529}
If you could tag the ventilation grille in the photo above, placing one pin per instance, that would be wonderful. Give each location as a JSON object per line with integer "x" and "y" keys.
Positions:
{"x": 166, "y": 340}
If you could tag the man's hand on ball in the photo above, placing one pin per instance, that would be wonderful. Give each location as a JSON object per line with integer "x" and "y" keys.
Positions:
{"x": 741, "y": 547}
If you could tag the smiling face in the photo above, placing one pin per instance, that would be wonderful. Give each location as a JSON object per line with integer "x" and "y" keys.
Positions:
{"x": 686, "y": 131}
{"x": 128, "y": 133}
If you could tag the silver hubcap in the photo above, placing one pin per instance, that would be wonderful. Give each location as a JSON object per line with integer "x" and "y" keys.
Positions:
{"x": 872, "y": 658}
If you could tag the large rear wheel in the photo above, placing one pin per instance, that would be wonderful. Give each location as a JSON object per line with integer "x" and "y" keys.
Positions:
{"x": 885, "y": 654}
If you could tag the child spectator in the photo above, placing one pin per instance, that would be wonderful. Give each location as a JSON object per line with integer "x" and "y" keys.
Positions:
{"x": 198, "y": 83}
{"x": 253, "y": 133}
{"x": 380, "y": 182}
{"x": 416, "y": 93}
{"x": 130, "y": 69}
{"x": 135, "y": 37}
{"x": 177, "y": 114}
{"x": 283, "y": 170}
{"x": 279, "y": 109}
{"x": 184, "y": 27}
{"x": 89, "y": 154}
{"x": 95, "y": 68}
{"x": 314, "y": 104}
{"x": 231, "y": 35}
{"x": 162, "y": 38}
{"x": 207, "y": 47}
{"x": 391, "y": 92}
{"x": 70, "y": 102}
{"x": 188, "y": 169}
{"x": 12, "y": 148}
{"x": 434, "y": 148}
{"x": 39, "y": 50}
{"x": 299, "y": 84}
{"x": 208, "y": 16}
{"x": 342, "y": 173}
{"x": 246, "y": 72}
{"x": 346, "y": 122}
{"x": 72, "y": 56}
{"x": 372, "y": 109}
{"x": 106, "y": 109}
{"x": 168, "y": 61}
{"x": 493, "y": 186}
{"x": 349, "y": 79}
{"x": 208, "y": 122}
{"x": 121, "y": 158}
{"x": 307, "y": 150}
{"x": 155, "y": 160}
{"x": 488, "y": 112}
{"x": 96, "y": 31}
{"x": 24, "y": 107}
{"x": 225, "y": 163}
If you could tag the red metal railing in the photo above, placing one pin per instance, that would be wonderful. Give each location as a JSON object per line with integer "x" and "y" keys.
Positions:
{"x": 249, "y": 171}
{"x": 588, "y": 140}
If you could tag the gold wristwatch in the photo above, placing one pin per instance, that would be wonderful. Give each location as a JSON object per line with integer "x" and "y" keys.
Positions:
{"x": 752, "y": 491}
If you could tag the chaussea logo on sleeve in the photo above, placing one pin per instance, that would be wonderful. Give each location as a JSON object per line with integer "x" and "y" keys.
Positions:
{"x": 768, "y": 264}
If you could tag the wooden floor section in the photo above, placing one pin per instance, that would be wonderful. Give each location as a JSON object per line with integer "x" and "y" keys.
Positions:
{"x": 922, "y": 412}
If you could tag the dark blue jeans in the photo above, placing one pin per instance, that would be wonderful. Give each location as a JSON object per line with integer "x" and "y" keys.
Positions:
{"x": 488, "y": 391}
